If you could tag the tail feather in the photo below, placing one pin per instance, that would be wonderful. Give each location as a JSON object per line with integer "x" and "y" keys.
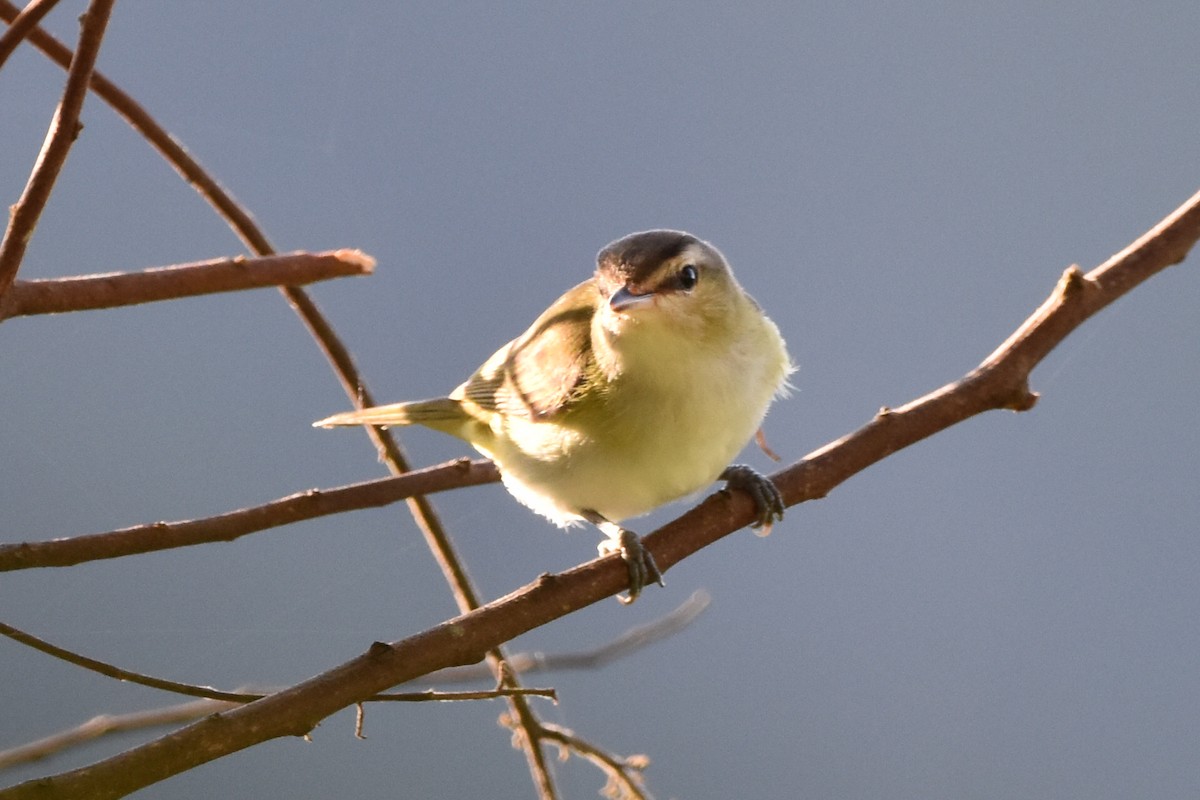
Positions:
{"x": 441, "y": 413}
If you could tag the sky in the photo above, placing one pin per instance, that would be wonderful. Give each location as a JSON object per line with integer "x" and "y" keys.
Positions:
{"x": 1005, "y": 610}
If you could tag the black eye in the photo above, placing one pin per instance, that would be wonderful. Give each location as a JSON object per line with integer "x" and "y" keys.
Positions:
{"x": 688, "y": 277}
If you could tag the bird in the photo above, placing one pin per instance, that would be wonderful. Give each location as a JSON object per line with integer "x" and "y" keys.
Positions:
{"x": 635, "y": 388}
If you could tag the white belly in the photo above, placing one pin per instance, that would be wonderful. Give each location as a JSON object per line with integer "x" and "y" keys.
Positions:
{"x": 657, "y": 436}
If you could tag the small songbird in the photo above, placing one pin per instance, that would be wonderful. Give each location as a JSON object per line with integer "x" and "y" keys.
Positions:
{"x": 635, "y": 388}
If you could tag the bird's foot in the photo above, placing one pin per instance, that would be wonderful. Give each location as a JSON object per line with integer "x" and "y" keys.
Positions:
{"x": 766, "y": 496}
{"x": 638, "y": 560}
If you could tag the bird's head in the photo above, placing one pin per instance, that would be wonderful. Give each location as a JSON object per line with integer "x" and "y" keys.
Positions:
{"x": 665, "y": 278}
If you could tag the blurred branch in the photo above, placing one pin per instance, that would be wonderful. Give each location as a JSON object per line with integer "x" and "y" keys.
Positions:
{"x": 1001, "y": 381}
{"x": 64, "y": 127}
{"x": 624, "y": 774}
{"x": 631, "y": 641}
{"x": 114, "y": 289}
{"x": 234, "y": 524}
{"x": 105, "y": 724}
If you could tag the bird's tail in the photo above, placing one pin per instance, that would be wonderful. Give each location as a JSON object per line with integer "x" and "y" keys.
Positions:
{"x": 441, "y": 414}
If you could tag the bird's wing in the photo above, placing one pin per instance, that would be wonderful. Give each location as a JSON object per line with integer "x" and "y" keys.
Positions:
{"x": 537, "y": 375}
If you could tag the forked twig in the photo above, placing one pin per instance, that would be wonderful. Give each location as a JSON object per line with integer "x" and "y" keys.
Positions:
{"x": 623, "y": 773}
{"x": 26, "y": 21}
{"x": 64, "y": 127}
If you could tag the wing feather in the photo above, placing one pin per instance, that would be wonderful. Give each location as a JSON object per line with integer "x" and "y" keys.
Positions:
{"x": 540, "y": 373}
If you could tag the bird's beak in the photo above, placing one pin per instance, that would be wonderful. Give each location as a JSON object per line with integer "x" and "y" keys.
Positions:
{"x": 623, "y": 299}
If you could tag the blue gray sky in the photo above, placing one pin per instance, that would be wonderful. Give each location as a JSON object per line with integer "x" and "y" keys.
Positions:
{"x": 1006, "y": 610}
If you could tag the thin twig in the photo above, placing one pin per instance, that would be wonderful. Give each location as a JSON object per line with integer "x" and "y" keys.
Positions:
{"x": 624, "y": 774}
{"x": 231, "y": 525}
{"x": 294, "y": 711}
{"x": 64, "y": 128}
{"x": 26, "y": 21}
{"x": 111, "y": 671}
{"x": 115, "y": 289}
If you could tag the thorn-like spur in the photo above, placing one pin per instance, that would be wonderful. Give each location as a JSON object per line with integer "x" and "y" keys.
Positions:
{"x": 766, "y": 496}
{"x": 638, "y": 560}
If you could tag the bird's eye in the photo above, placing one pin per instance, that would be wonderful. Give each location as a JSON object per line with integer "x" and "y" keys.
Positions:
{"x": 688, "y": 277}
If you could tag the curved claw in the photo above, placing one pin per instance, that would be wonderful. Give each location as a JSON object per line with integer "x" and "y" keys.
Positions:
{"x": 638, "y": 560}
{"x": 766, "y": 496}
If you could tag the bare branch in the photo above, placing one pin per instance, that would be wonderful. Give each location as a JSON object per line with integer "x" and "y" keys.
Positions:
{"x": 111, "y": 671}
{"x": 105, "y": 724}
{"x": 624, "y": 774}
{"x": 999, "y": 382}
{"x": 1002, "y": 379}
{"x": 234, "y": 524}
{"x": 335, "y": 351}
{"x": 26, "y": 21}
{"x": 115, "y": 289}
{"x": 634, "y": 639}
{"x": 64, "y": 127}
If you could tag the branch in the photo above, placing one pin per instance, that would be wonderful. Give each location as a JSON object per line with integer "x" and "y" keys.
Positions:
{"x": 105, "y": 724}
{"x": 634, "y": 639}
{"x": 26, "y": 21}
{"x": 239, "y": 695}
{"x": 234, "y": 524}
{"x": 1001, "y": 381}
{"x": 115, "y": 289}
{"x": 64, "y": 128}
{"x": 624, "y": 775}
{"x": 436, "y": 537}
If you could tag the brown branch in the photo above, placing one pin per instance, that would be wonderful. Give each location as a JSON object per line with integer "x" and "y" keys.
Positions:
{"x": 999, "y": 382}
{"x": 105, "y": 724}
{"x": 112, "y": 671}
{"x": 436, "y": 537}
{"x": 20, "y": 27}
{"x": 632, "y": 640}
{"x": 64, "y": 127}
{"x": 234, "y": 524}
{"x": 114, "y": 289}
{"x": 207, "y": 692}
{"x": 240, "y": 696}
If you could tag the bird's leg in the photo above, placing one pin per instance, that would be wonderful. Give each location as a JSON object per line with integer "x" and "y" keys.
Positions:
{"x": 638, "y": 560}
{"x": 759, "y": 486}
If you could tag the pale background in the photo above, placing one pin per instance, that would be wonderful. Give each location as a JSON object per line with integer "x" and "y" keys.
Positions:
{"x": 1006, "y": 611}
